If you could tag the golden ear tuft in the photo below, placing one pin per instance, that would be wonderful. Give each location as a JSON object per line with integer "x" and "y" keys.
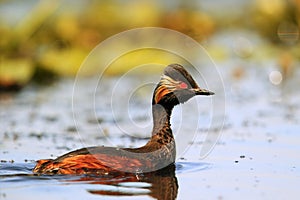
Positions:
{"x": 160, "y": 92}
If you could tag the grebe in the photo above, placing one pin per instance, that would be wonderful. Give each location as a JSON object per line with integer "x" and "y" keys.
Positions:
{"x": 175, "y": 86}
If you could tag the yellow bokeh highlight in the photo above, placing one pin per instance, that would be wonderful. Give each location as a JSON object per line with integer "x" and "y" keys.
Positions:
{"x": 64, "y": 62}
{"x": 20, "y": 69}
{"x": 141, "y": 57}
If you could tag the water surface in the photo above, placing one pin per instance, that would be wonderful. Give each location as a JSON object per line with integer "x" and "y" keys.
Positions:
{"x": 256, "y": 157}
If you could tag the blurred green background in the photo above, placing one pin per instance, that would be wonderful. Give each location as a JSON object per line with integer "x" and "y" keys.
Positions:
{"x": 43, "y": 40}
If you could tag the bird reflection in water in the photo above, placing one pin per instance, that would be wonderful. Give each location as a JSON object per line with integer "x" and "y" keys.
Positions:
{"x": 161, "y": 184}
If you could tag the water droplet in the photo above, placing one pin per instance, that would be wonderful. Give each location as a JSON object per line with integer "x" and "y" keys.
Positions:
{"x": 275, "y": 77}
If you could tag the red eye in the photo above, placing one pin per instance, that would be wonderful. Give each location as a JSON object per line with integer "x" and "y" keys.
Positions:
{"x": 183, "y": 85}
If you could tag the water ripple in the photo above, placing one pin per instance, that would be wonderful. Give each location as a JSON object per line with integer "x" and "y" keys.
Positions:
{"x": 188, "y": 167}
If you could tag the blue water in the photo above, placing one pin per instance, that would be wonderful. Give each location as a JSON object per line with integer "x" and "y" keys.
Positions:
{"x": 256, "y": 157}
{"x": 17, "y": 181}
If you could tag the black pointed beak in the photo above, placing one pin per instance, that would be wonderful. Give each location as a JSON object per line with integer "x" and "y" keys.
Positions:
{"x": 199, "y": 91}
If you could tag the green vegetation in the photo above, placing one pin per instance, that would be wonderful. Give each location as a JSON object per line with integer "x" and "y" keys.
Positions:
{"x": 54, "y": 37}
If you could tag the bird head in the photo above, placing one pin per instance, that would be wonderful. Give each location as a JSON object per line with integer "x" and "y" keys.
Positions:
{"x": 176, "y": 86}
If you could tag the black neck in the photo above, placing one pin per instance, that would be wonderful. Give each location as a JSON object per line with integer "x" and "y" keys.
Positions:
{"x": 161, "y": 120}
